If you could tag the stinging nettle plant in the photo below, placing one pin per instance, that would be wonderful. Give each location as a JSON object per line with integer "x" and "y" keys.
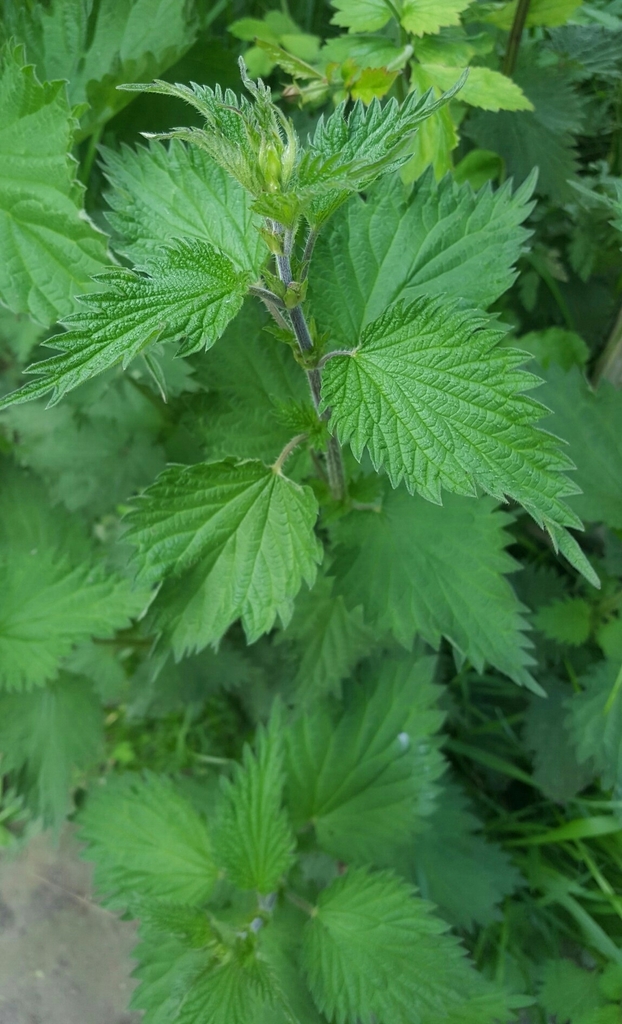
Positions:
{"x": 425, "y": 388}
{"x": 413, "y": 424}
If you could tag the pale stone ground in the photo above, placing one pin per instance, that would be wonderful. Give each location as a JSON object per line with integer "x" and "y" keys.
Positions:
{"x": 63, "y": 959}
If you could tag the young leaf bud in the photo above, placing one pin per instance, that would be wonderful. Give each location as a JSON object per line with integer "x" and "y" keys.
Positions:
{"x": 269, "y": 162}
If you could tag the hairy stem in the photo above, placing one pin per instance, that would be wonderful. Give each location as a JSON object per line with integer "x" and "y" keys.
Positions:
{"x": 609, "y": 365}
{"x": 516, "y": 34}
{"x": 334, "y": 465}
{"x": 273, "y": 304}
{"x": 332, "y": 355}
{"x": 298, "y": 901}
{"x": 308, "y": 252}
{"x": 266, "y": 295}
{"x": 287, "y": 451}
{"x": 84, "y": 172}
{"x": 555, "y": 291}
{"x": 334, "y": 462}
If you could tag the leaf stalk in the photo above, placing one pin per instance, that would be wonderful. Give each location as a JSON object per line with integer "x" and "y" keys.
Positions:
{"x": 287, "y": 451}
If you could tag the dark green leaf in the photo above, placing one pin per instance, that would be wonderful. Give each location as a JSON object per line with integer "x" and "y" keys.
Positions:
{"x": 442, "y": 239}
{"x": 162, "y": 193}
{"x": 417, "y": 568}
{"x": 465, "y": 875}
{"x": 364, "y": 780}
{"x": 148, "y": 841}
{"x": 239, "y": 538}
{"x": 190, "y": 295}
{"x": 49, "y": 247}
{"x": 254, "y": 840}
{"x": 591, "y": 422}
{"x": 46, "y": 736}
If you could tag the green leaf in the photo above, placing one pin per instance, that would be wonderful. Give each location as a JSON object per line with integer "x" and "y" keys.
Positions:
{"x": 417, "y": 568}
{"x": 48, "y": 604}
{"x": 188, "y": 923}
{"x": 568, "y": 621}
{"x": 224, "y": 977}
{"x": 434, "y": 399}
{"x": 163, "y": 193}
{"x": 280, "y": 946}
{"x": 253, "y": 383}
{"x": 345, "y": 154}
{"x": 616, "y": 205}
{"x": 595, "y": 722}
{"x": 272, "y": 26}
{"x": 350, "y": 152}
{"x": 541, "y": 12}
{"x": 556, "y": 768}
{"x": 254, "y": 840}
{"x": 609, "y": 639}
{"x": 366, "y": 51}
{"x": 166, "y": 966}
{"x": 426, "y": 17}
{"x": 243, "y": 137}
{"x": 243, "y": 530}
{"x": 468, "y": 885}
{"x": 541, "y": 138}
{"x": 373, "y": 950}
{"x": 568, "y": 992}
{"x": 373, "y": 82}
{"x": 478, "y": 167}
{"x": 610, "y": 981}
{"x": 235, "y": 992}
{"x": 190, "y": 295}
{"x": 434, "y": 143}
{"x": 164, "y": 687}
{"x": 483, "y": 88}
{"x": 590, "y": 49}
{"x": 18, "y": 336}
{"x": 591, "y": 422}
{"x": 116, "y": 430}
{"x": 481, "y": 1003}
{"x": 361, "y": 15}
{"x": 365, "y": 779}
{"x": 558, "y": 104}
{"x": 49, "y": 247}
{"x": 328, "y": 638}
{"x": 555, "y": 345}
{"x": 39, "y": 524}
{"x": 441, "y": 239}
{"x": 45, "y": 736}
{"x": 103, "y": 665}
{"x": 147, "y": 841}
{"x": 291, "y": 65}
{"x": 97, "y": 46}
{"x": 454, "y": 47}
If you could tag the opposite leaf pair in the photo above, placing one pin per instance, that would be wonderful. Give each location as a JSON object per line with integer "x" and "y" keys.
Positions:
{"x": 286, "y": 927}
{"x": 425, "y": 388}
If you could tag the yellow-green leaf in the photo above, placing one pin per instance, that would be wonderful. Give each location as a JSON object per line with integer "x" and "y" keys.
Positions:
{"x": 483, "y": 88}
{"x": 426, "y": 17}
{"x": 435, "y": 140}
{"x": 541, "y": 12}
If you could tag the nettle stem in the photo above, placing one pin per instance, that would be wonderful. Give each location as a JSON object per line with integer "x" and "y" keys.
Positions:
{"x": 334, "y": 461}
{"x": 308, "y": 252}
{"x": 516, "y": 34}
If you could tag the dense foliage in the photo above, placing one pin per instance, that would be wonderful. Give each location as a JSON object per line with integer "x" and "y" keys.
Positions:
{"x": 311, "y": 504}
